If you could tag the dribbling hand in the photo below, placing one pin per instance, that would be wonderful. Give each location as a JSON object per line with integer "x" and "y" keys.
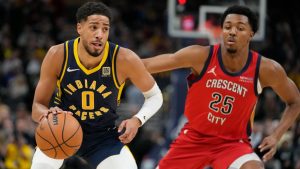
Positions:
{"x": 54, "y": 110}
{"x": 131, "y": 127}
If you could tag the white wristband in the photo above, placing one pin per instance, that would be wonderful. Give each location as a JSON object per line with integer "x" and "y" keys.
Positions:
{"x": 153, "y": 101}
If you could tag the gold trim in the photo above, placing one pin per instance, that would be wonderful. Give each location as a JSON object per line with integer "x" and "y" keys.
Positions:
{"x": 252, "y": 117}
{"x": 85, "y": 70}
{"x": 64, "y": 69}
{"x": 57, "y": 99}
{"x": 120, "y": 93}
{"x": 129, "y": 151}
{"x": 113, "y": 68}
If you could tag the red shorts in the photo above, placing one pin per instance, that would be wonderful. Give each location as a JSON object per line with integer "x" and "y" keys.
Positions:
{"x": 192, "y": 150}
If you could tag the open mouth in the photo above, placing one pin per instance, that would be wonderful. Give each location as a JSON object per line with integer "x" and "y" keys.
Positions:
{"x": 97, "y": 44}
{"x": 231, "y": 41}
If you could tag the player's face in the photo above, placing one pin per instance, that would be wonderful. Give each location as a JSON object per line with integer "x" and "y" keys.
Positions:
{"x": 236, "y": 32}
{"x": 94, "y": 33}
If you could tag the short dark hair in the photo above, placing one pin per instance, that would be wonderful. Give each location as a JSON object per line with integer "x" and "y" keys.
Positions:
{"x": 91, "y": 8}
{"x": 242, "y": 10}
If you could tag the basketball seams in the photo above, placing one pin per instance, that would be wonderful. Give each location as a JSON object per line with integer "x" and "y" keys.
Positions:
{"x": 64, "y": 135}
{"x": 65, "y": 142}
{"x": 53, "y": 147}
{"x": 55, "y": 138}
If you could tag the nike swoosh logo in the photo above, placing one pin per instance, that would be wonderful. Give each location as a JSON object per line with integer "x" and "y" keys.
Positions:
{"x": 71, "y": 70}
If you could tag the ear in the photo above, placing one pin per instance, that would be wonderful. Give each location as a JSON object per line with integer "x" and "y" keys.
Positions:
{"x": 79, "y": 28}
{"x": 251, "y": 34}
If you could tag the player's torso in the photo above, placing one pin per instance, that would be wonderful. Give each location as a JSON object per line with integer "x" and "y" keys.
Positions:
{"x": 91, "y": 94}
{"x": 220, "y": 103}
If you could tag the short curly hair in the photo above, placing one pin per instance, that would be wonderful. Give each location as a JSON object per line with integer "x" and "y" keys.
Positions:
{"x": 91, "y": 8}
{"x": 242, "y": 10}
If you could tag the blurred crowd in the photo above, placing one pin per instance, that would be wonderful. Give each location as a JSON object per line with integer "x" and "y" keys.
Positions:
{"x": 29, "y": 27}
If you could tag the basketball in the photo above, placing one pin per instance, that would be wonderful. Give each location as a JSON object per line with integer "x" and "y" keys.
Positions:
{"x": 59, "y": 136}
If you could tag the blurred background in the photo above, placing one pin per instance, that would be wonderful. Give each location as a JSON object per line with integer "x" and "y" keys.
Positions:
{"x": 29, "y": 27}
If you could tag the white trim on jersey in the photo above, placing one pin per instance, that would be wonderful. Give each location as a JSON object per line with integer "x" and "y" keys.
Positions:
{"x": 243, "y": 159}
{"x": 259, "y": 89}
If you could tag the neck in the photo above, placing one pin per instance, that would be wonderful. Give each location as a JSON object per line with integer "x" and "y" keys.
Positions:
{"x": 234, "y": 62}
{"x": 86, "y": 59}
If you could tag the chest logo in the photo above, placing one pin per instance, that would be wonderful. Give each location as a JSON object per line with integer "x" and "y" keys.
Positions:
{"x": 106, "y": 71}
{"x": 71, "y": 70}
{"x": 212, "y": 70}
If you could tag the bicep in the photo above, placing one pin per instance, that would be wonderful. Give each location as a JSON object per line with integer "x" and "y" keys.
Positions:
{"x": 188, "y": 57}
{"x": 275, "y": 77}
{"x": 138, "y": 74}
{"x": 47, "y": 82}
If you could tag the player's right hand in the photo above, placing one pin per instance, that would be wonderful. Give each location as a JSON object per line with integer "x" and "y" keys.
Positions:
{"x": 54, "y": 110}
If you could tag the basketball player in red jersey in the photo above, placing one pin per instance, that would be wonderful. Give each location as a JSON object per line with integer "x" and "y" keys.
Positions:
{"x": 225, "y": 82}
{"x": 89, "y": 73}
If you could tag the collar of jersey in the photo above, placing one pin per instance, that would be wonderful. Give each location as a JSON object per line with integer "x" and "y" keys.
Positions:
{"x": 84, "y": 69}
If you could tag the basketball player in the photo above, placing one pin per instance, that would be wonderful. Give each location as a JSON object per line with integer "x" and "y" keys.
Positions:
{"x": 225, "y": 82}
{"x": 90, "y": 72}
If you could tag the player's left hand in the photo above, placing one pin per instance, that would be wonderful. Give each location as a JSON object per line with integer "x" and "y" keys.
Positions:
{"x": 131, "y": 127}
{"x": 269, "y": 145}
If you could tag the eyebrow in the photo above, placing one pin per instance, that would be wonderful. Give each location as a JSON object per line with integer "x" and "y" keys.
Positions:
{"x": 96, "y": 23}
{"x": 237, "y": 22}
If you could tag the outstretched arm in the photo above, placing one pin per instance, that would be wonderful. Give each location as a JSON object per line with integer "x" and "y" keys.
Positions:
{"x": 188, "y": 57}
{"x": 132, "y": 68}
{"x": 273, "y": 75}
{"x": 46, "y": 85}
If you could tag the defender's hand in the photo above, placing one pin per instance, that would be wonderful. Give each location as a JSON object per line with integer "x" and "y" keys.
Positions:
{"x": 131, "y": 127}
{"x": 269, "y": 145}
{"x": 54, "y": 110}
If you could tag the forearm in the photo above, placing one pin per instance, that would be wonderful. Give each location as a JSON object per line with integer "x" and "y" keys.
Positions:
{"x": 160, "y": 63}
{"x": 153, "y": 101}
{"x": 38, "y": 110}
{"x": 288, "y": 118}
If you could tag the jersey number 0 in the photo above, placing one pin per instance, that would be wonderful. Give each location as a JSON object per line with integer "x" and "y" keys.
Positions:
{"x": 87, "y": 98}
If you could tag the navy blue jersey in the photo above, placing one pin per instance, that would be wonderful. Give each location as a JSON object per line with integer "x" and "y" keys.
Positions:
{"x": 91, "y": 94}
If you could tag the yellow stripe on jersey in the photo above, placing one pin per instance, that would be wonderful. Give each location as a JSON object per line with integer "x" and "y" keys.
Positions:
{"x": 120, "y": 93}
{"x": 85, "y": 70}
{"x": 252, "y": 117}
{"x": 58, "y": 99}
{"x": 129, "y": 151}
{"x": 56, "y": 103}
{"x": 118, "y": 86}
{"x": 64, "y": 69}
{"x": 113, "y": 68}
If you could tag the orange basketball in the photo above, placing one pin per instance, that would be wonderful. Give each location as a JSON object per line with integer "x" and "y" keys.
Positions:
{"x": 59, "y": 136}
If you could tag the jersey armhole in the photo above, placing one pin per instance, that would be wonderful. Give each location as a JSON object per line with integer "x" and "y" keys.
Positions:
{"x": 212, "y": 51}
{"x": 64, "y": 65}
{"x": 114, "y": 67}
{"x": 192, "y": 78}
{"x": 257, "y": 85}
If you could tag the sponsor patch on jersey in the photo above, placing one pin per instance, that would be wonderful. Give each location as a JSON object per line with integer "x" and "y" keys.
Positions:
{"x": 106, "y": 71}
{"x": 246, "y": 79}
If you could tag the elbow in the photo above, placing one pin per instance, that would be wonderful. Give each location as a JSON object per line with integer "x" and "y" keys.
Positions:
{"x": 147, "y": 65}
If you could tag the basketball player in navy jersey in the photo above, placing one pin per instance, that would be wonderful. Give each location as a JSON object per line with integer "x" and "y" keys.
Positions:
{"x": 224, "y": 84}
{"x": 89, "y": 73}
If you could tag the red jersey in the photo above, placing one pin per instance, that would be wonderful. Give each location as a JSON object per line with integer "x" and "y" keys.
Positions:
{"x": 221, "y": 103}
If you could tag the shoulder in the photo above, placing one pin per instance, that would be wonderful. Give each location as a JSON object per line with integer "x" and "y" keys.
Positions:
{"x": 126, "y": 55}
{"x": 270, "y": 72}
{"x": 56, "y": 51}
{"x": 55, "y": 58}
{"x": 194, "y": 50}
